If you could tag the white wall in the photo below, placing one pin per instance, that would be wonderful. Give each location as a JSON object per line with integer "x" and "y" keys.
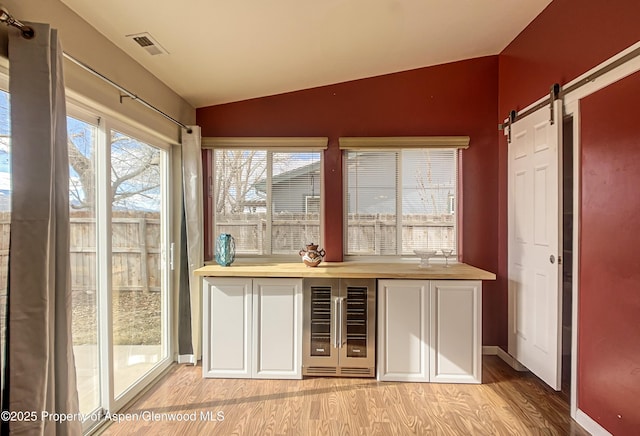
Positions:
{"x": 86, "y": 44}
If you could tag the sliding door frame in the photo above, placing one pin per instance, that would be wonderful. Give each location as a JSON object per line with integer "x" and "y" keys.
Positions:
{"x": 104, "y": 280}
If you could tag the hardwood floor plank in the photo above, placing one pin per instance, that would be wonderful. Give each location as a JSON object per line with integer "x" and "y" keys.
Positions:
{"x": 508, "y": 403}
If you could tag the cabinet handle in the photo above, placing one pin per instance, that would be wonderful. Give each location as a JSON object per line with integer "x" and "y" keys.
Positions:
{"x": 336, "y": 322}
{"x": 343, "y": 315}
{"x": 339, "y": 318}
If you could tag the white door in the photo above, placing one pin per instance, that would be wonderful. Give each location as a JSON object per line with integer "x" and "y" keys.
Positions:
{"x": 534, "y": 243}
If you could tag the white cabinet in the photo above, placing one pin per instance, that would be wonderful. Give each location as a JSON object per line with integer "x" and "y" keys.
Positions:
{"x": 252, "y": 328}
{"x": 430, "y": 331}
{"x": 227, "y": 321}
{"x": 456, "y": 331}
{"x": 403, "y": 330}
{"x": 277, "y": 328}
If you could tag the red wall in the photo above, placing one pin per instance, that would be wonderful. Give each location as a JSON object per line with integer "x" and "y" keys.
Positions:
{"x": 609, "y": 349}
{"x": 453, "y": 99}
{"x": 567, "y": 39}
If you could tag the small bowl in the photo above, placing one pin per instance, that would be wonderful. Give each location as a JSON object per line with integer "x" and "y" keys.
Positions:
{"x": 424, "y": 256}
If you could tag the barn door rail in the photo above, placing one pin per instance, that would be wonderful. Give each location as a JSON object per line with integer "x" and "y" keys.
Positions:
{"x": 556, "y": 91}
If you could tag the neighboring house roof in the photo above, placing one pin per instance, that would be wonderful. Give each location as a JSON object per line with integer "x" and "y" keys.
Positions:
{"x": 261, "y": 185}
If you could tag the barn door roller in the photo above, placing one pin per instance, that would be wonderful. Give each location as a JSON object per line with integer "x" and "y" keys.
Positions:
{"x": 554, "y": 94}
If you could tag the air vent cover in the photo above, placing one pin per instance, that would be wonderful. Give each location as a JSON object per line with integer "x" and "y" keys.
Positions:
{"x": 147, "y": 42}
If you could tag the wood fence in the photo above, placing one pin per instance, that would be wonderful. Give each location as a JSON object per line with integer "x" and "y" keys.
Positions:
{"x": 135, "y": 245}
{"x": 373, "y": 234}
{"x": 137, "y": 252}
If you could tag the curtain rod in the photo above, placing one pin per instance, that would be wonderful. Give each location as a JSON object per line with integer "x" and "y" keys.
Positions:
{"x": 6, "y": 18}
{"x": 28, "y": 33}
{"x": 125, "y": 91}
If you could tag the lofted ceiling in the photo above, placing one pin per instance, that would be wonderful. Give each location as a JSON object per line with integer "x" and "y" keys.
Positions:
{"x": 220, "y": 51}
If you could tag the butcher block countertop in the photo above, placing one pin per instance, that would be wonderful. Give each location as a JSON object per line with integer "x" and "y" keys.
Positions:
{"x": 346, "y": 270}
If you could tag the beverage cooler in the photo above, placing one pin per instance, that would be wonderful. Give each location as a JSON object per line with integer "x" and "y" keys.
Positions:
{"x": 339, "y": 327}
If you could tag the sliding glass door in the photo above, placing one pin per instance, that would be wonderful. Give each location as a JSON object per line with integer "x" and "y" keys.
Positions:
{"x": 119, "y": 234}
{"x": 82, "y": 143}
{"x": 118, "y": 196}
{"x": 139, "y": 288}
{"x": 5, "y": 215}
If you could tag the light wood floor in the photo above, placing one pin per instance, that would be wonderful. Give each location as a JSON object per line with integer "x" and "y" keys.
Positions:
{"x": 507, "y": 403}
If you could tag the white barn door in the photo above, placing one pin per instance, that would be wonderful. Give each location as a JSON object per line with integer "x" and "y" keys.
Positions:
{"x": 534, "y": 195}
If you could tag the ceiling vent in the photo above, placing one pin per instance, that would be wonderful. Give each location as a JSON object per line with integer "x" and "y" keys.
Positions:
{"x": 147, "y": 42}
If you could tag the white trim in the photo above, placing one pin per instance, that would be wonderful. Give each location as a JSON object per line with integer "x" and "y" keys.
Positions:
{"x": 187, "y": 358}
{"x": 104, "y": 309}
{"x": 590, "y": 425}
{"x": 166, "y": 226}
{"x": 82, "y": 114}
{"x": 394, "y": 142}
{"x": 573, "y": 109}
{"x": 100, "y": 111}
{"x": 618, "y": 73}
{"x": 490, "y": 350}
{"x": 109, "y": 401}
{"x": 494, "y": 350}
{"x": 264, "y": 143}
{"x": 132, "y": 132}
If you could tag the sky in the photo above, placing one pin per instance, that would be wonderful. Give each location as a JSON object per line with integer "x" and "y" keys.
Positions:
{"x": 83, "y": 135}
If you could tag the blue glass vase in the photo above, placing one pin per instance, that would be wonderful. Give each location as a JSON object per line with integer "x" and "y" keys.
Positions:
{"x": 225, "y": 249}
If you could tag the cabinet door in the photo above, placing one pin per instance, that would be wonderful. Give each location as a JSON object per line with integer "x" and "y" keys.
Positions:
{"x": 277, "y": 328}
{"x": 227, "y": 327}
{"x": 456, "y": 331}
{"x": 403, "y": 330}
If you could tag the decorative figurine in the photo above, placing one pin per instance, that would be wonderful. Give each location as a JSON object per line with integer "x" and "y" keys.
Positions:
{"x": 311, "y": 256}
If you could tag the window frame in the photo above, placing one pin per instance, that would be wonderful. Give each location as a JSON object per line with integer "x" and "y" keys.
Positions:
{"x": 269, "y": 145}
{"x": 105, "y": 119}
{"x": 396, "y": 145}
{"x": 81, "y": 109}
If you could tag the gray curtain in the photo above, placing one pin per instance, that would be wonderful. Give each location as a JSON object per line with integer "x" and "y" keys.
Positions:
{"x": 191, "y": 249}
{"x": 185, "y": 333}
{"x": 41, "y": 367}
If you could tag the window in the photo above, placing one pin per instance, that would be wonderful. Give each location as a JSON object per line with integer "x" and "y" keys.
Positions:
{"x": 139, "y": 289}
{"x": 5, "y": 213}
{"x": 119, "y": 265}
{"x": 312, "y": 204}
{"x": 399, "y": 199}
{"x": 267, "y": 199}
{"x": 82, "y": 135}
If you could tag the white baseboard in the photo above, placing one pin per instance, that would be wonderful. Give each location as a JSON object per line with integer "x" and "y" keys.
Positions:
{"x": 494, "y": 350}
{"x": 187, "y": 358}
{"x": 590, "y": 425}
{"x": 490, "y": 350}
